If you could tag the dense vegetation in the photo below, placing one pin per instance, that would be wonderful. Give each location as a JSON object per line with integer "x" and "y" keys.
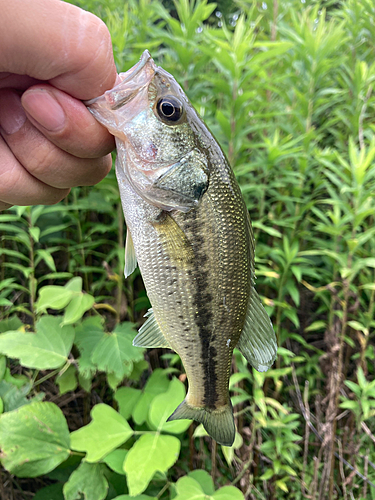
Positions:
{"x": 287, "y": 89}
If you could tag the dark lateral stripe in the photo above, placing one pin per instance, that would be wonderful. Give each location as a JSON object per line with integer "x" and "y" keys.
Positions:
{"x": 203, "y": 302}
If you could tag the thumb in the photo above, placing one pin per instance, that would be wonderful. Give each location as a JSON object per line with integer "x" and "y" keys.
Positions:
{"x": 55, "y": 41}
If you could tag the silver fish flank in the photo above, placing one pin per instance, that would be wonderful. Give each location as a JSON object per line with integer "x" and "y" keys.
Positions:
{"x": 190, "y": 232}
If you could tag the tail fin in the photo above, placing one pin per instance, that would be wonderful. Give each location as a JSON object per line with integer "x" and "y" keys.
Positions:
{"x": 218, "y": 423}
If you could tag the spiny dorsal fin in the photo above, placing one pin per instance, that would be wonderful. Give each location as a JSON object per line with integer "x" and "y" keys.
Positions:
{"x": 150, "y": 335}
{"x": 130, "y": 257}
{"x": 258, "y": 340}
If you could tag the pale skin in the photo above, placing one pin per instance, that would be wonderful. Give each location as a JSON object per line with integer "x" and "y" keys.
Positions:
{"x": 53, "y": 55}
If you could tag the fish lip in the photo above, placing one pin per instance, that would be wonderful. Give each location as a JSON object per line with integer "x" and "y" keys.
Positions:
{"x": 131, "y": 82}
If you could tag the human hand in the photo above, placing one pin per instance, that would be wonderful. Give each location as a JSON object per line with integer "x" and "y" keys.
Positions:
{"x": 53, "y": 55}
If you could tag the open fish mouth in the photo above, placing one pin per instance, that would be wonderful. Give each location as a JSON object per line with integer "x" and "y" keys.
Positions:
{"x": 132, "y": 82}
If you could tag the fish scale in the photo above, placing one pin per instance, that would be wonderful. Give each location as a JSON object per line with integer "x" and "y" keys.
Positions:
{"x": 190, "y": 232}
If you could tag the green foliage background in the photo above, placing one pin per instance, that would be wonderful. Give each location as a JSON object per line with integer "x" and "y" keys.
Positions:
{"x": 287, "y": 89}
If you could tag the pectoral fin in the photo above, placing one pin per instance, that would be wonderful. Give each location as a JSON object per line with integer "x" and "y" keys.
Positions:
{"x": 177, "y": 246}
{"x": 149, "y": 334}
{"x": 130, "y": 257}
{"x": 258, "y": 340}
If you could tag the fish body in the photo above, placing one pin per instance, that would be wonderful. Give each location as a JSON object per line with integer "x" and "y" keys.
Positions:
{"x": 190, "y": 231}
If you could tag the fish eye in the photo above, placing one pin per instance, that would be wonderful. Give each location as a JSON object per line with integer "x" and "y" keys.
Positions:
{"x": 169, "y": 109}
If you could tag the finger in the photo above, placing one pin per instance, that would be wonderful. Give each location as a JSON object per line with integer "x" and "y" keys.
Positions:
{"x": 66, "y": 122}
{"x": 19, "y": 82}
{"x": 4, "y": 206}
{"x": 59, "y": 42}
{"x": 19, "y": 187}
{"x": 42, "y": 159}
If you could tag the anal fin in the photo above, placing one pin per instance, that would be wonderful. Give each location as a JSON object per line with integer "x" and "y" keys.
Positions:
{"x": 258, "y": 340}
{"x": 150, "y": 335}
{"x": 130, "y": 257}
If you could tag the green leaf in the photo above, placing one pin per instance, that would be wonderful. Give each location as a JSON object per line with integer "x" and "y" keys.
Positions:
{"x": 47, "y": 258}
{"x": 87, "y": 482}
{"x": 281, "y": 484}
{"x": 88, "y": 335}
{"x": 204, "y": 479}
{"x": 107, "y": 431}
{"x": 12, "y": 323}
{"x": 46, "y": 349}
{"x": 53, "y": 297}
{"x": 228, "y": 451}
{"x": 151, "y": 453}
{"x": 115, "y": 460}
{"x": 228, "y": 493}
{"x": 51, "y": 492}
{"x": 267, "y": 475}
{"x": 115, "y": 352}
{"x": 163, "y": 405}
{"x": 75, "y": 284}
{"x": 68, "y": 380}
{"x": 34, "y": 439}
{"x": 127, "y": 398}
{"x": 189, "y": 489}
{"x": 137, "y": 497}
{"x": 316, "y": 325}
{"x": 156, "y": 384}
{"x": 77, "y": 307}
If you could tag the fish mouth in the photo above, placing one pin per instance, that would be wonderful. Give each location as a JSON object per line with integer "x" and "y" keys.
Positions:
{"x": 131, "y": 83}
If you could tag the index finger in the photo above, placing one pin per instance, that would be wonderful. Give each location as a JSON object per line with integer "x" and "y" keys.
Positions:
{"x": 58, "y": 42}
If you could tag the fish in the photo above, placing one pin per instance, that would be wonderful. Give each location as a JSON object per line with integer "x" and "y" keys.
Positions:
{"x": 189, "y": 231}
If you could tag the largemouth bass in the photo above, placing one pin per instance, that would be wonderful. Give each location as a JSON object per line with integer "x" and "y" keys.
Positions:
{"x": 190, "y": 231}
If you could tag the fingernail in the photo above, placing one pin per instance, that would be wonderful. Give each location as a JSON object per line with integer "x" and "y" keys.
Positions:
{"x": 12, "y": 114}
{"x": 44, "y": 109}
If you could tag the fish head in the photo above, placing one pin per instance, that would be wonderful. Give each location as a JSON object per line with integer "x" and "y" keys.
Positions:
{"x": 156, "y": 136}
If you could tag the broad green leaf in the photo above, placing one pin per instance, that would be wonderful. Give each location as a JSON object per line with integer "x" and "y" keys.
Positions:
{"x": 14, "y": 397}
{"x": 68, "y": 380}
{"x": 228, "y": 493}
{"x": 137, "y": 497}
{"x": 34, "y": 439}
{"x": 51, "y": 492}
{"x": 88, "y": 335}
{"x": 127, "y": 398}
{"x": 107, "y": 431}
{"x": 115, "y": 352}
{"x": 3, "y": 366}
{"x": 138, "y": 368}
{"x": 189, "y": 489}
{"x": 204, "y": 479}
{"x": 163, "y": 405}
{"x": 53, "y": 297}
{"x": 75, "y": 284}
{"x": 46, "y": 349}
{"x": 77, "y": 307}
{"x": 151, "y": 453}
{"x": 115, "y": 460}
{"x": 12, "y": 323}
{"x": 156, "y": 384}
{"x": 87, "y": 483}
{"x": 113, "y": 380}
